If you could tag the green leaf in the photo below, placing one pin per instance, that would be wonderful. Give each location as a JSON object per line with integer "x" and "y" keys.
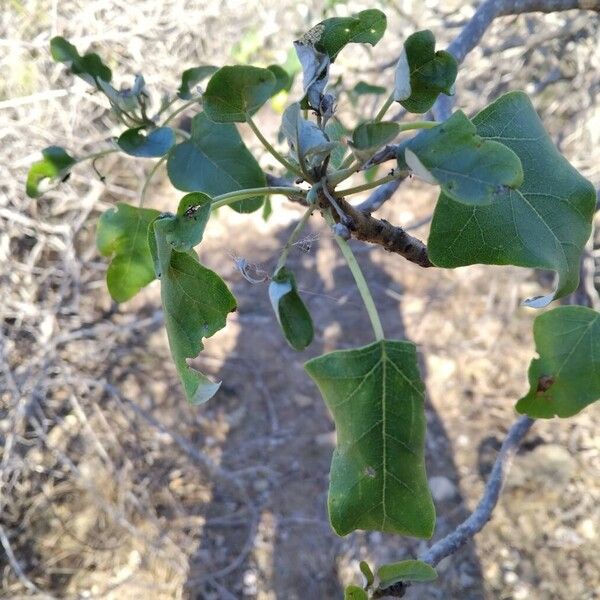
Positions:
{"x": 215, "y": 161}
{"x": 544, "y": 224}
{"x": 405, "y": 570}
{"x": 192, "y": 77}
{"x": 353, "y": 592}
{"x": 331, "y": 35}
{"x": 56, "y": 163}
{"x": 363, "y": 88}
{"x": 365, "y": 569}
{"x": 184, "y": 230}
{"x": 196, "y": 303}
{"x": 283, "y": 81}
{"x": 157, "y": 143}
{"x": 422, "y": 74}
{"x": 122, "y": 235}
{"x": 368, "y": 137}
{"x": 377, "y": 478}
{"x": 335, "y": 131}
{"x": 468, "y": 168}
{"x": 305, "y": 138}
{"x": 89, "y": 67}
{"x": 126, "y": 99}
{"x": 293, "y": 316}
{"x": 566, "y": 376}
{"x": 234, "y": 92}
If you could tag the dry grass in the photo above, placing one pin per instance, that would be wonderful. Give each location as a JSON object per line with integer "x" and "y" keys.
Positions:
{"x": 112, "y": 487}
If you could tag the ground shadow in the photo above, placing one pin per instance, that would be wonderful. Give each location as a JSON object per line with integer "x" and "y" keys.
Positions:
{"x": 286, "y": 430}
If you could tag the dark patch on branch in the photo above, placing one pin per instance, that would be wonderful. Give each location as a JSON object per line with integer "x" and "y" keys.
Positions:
{"x": 379, "y": 231}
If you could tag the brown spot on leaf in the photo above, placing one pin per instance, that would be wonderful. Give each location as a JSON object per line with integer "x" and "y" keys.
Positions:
{"x": 544, "y": 383}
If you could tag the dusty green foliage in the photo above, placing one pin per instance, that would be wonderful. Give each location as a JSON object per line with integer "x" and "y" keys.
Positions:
{"x": 507, "y": 197}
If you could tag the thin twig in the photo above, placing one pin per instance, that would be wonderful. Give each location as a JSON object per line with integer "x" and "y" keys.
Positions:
{"x": 381, "y": 195}
{"x": 483, "y": 513}
{"x": 473, "y": 31}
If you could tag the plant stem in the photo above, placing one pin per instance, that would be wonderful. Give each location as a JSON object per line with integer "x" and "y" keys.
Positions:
{"x": 384, "y": 108}
{"x": 293, "y": 237}
{"x": 418, "y": 125}
{"x": 96, "y": 155}
{"x": 337, "y": 177}
{"x": 288, "y": 165}
{"x": 231, "y": 197}
{"x": 184, "y": 134}
{"x": 368, "y": 186}
{"x": 149, "y": 179}
{"x": 189, "y": 103}
{"x": 359, "y": 278}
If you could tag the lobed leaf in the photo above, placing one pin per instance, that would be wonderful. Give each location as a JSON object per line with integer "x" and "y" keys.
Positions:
{"x": 292, "y": 315}
{"x": 55, "y": 164}
{"x": 195, "y": 301}
{"x": 544, "y": 224}
{"x": 122, "y": 235}
{"x": 192, "y": 77}
{"x": 215, "y": 161}
{"x": 368, "y": 137}
{"x": 566, "y": 376}
{"x": 377, "y": 479}
{"x": 89, "y": 67}
{"x": 234, "y": 92}
{"x": 422, "y": 74}
{"x": 405, "y": 571}
{"x": 157, "y": 143}
{"x": 468, "y": 168}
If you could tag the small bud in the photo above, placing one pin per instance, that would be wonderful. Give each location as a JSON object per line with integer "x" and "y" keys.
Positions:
{"x": 341, "y": 231}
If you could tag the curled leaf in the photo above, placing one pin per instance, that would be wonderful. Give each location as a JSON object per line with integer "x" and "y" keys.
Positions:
{"x": 422, "y": 74}
{"x": 157, "y": 143}
{"x": 192, "y": 77}
{"x": 353, "y": 592}
{"x": 55, "y": 164}
{"x": 469, "y": 169}
{"x": 283, "y": 81}
{"x": 319, "y": 47}
{"x": 293, "y": 316}
{"x": 305, "y": 138}
{"x": 331, "y": 35}
{"x": 365, "y": 569}
{"x": 369, "y": 137}
{"x": 405, "y": 571}
{"x": 126, "y": 99}
{"x": 89, "y": 67}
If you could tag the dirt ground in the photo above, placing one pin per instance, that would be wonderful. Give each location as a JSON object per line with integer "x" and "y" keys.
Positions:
{"x": 113, "y": 487}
